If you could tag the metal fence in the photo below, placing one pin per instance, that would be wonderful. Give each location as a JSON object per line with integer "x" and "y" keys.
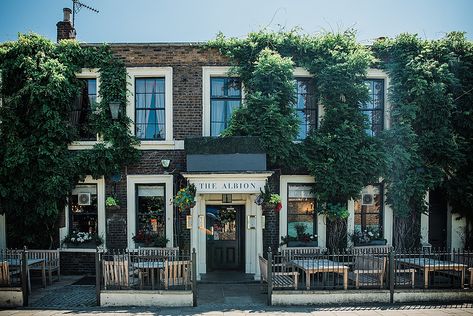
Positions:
{"x": 158, "y": 269}
{"x": 377, "y": 268}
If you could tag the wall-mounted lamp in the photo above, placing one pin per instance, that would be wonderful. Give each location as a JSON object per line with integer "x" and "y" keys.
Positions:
{"x": 227, "y": 198}
{"x": 165, "y": 163}
{"x": 114, "y": 109}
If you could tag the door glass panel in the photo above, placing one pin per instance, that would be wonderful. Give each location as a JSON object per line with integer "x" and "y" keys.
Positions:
{"x": 221, "y": 223}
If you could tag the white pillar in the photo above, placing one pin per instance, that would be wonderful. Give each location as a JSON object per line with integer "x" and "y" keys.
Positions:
{"x": 321, "y": 230}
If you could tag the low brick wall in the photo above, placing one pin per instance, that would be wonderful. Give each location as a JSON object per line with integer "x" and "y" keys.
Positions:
{"x": 77, "y": 262}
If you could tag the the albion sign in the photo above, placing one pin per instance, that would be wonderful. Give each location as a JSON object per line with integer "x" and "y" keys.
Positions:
{"x": 225, "y": 186}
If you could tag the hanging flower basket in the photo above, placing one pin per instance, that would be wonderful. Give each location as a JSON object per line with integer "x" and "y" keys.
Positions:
{"x": 269, "y": 200}
{"x": 185, "y": 198}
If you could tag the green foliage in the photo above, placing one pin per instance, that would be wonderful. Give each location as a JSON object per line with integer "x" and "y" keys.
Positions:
{"x": 423, "y": 143}
{"x": 37, "y": 170}
{"x": 268, "y": 112}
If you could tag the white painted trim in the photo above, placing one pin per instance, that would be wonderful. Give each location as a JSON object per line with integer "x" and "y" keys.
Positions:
{"x": 131, "y": 182}
{"x": 300, "y": 72}
{"x": 207, "y": 73}
{"x": 149, "y": 72}
{"x": 284, "y": 181}
{"x": 380, "y": 74}
{"x": 101, "y": 227}
{"x": 87, "y": 73}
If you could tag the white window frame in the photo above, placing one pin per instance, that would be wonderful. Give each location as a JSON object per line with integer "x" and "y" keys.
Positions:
{"x": 132, "y": 181}
{"x": 207, "y": 73}
{"x": 284, "y": 182}
{"x": 152, "y": 72}
{"x": 101, "y": 230}
{"x": 379, "y": 74}
{"x": 88, "y": 73}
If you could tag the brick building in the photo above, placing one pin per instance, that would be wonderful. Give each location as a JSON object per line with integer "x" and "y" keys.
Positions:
{"x": 180, "y": 93}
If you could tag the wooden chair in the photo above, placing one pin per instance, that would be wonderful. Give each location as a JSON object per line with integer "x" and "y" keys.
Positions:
{"x": 115, "y": 272}
{"x": 285, "y": 279}
{"x": 153, "y": 255}
{"x": 52, "y": 262}
{"x": 4, "y": 274}
{"x": 368, "y": 270}
{"x": 381, "y": 249}
{"x": 177, "y": 273}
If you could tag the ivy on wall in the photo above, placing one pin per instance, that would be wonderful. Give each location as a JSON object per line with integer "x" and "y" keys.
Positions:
{"x": 340, "y": 155}
{"x": 37, "y": 170}
{"x": 424, "y": 147}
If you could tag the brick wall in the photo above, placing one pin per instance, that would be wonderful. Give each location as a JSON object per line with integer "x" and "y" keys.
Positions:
{"x": 271, "y": 231}
{"x": 77, "y": 263}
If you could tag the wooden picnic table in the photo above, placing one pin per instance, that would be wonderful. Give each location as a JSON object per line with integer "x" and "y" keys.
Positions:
{"x": 430, "y": 265}
{"x": 144, "y": 266}
{"x": 312, "y": 266}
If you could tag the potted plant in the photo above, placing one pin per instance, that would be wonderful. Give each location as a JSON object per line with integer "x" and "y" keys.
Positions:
{"x": 368, "y": 237}
{"x": 76, "y": 239}
{"x": 149, "y": 238}
{"x": 302, "y": 238}
{"x": 185, "y": 198}
{"x": 112, "y": 203}
{"x": 269, "y": 200}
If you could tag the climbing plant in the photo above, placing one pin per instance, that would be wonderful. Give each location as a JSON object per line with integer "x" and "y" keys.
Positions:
{"x": 37, "y": 170}
{"x": 422, "y": 146}
{"x": 340, "y": 155}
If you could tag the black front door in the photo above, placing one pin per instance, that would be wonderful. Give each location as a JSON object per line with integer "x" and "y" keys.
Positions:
{"x": 437, "y": 219}
{"x": 224, "y": 237}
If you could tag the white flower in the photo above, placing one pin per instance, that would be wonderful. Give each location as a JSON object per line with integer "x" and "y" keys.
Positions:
{"x": 370, "y": 234}
{"x": 73, "y": 239}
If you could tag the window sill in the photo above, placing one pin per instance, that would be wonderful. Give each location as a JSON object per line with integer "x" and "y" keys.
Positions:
{"x": 83, "y": 144}
{"x": 77, "y": 249}
{"x": 161, "y": 144}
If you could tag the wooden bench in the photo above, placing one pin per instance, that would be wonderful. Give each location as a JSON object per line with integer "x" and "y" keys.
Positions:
{"x": 368, "y": 270}
{"x": 154, "y": 254}
{"x": 286, "y": 279}
{"x": 381, "y": 249}
{"x": 51, "y": 259}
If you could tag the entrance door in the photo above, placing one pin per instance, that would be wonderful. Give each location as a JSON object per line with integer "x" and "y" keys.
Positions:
{"x": 225, "y": 237}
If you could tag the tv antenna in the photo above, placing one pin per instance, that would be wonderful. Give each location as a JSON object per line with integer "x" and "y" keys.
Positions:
{"x": 76, "y": 6}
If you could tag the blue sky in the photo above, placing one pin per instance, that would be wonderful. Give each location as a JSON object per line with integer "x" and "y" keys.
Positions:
{"x": 200, "y": 20}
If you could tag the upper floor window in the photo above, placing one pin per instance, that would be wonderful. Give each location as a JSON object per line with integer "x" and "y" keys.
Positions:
{"x": 150, "y": 118}
{"x": 225, "y": 97}
{"x": 306, "y": 109}
{"x": 301, "y": 215}
{"x": 83, "y": 106}
{"x": 374, "y": 108}
{"x": 369, "y": 215}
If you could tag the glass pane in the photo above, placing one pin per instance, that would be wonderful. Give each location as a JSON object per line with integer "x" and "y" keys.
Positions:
{"x": 151, "y": 215}
{"x": 84, "y": 211}
{"x": 140, "y": 100}
{"x": 217, "y": 87}
{"x": 92, "y": 86}
{"x": 159, "y": 100}
{"x": 233, "y": 87}
{"x": 300, "y": 191}
{"x": 231, "y": 107}
{"x": 368, "y": 214}
{"x": 140, "y": 85}
{"x": 221, "y": 223}
{"x": 216, "y": 128}
{"x": 217, "y": 111}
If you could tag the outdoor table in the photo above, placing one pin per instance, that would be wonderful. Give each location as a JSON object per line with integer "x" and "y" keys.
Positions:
{"x": 151, "y": 265}
{"x": 429, "y": 265}
{"x": 16, "y": 262}
{"x": 311, "y": 266}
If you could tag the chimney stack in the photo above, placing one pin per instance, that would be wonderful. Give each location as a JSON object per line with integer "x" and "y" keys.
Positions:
{"x": 65, "y": 30}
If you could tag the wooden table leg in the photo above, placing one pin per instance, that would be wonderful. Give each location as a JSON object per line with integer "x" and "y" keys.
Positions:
{"x": 463, "y": 279}
{"x": 345, "y": 279}
{"x": 426, "y": 278}
{"x": 43, "y": 271}
{"x": 307, "y": 279}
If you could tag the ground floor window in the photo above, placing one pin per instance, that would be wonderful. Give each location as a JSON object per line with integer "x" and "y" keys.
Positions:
{"x": 151, "y": 215}
{"x": 369, "y": 215}
{"x": 301, "y": 215}
{"x": 83, "y": 209}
